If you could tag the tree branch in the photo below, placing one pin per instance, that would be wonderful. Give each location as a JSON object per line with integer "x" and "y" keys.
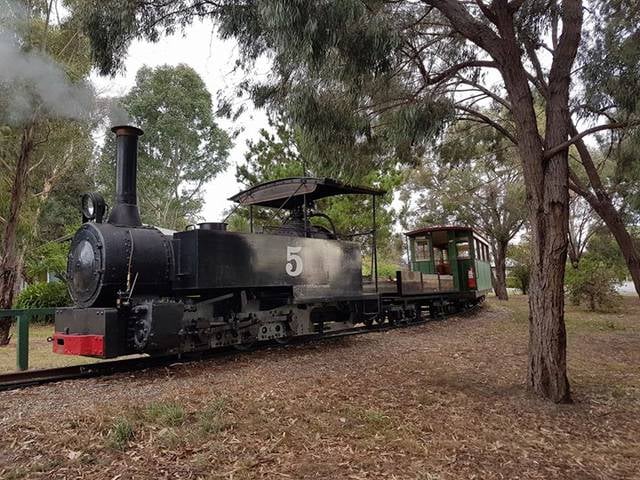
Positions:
{"x": 558, "y": 148}
{"x": 465, "y": 24}
{"x": 452, "y": 71}
{"x": 489, "y": 121}
{"x": 488, "y": 92}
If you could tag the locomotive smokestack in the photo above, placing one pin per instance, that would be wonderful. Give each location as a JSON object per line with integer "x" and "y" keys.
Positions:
{"x": 125, "y": 211}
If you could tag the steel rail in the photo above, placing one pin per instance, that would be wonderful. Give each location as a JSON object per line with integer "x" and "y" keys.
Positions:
{"x": 17, "y": 380}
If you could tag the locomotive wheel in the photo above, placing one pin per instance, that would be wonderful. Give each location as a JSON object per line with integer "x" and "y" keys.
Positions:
{"x": 248, "y": 342}
{"x": 380, "y": 319}
{"x": 282, "y": 340}
{"x": 368, "y": 320}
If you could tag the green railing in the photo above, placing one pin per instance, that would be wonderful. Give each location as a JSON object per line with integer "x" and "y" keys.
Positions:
{"x": 23, "y": 318}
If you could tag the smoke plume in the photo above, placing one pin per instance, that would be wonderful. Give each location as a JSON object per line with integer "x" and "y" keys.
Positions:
{"x": 31, "y": 82}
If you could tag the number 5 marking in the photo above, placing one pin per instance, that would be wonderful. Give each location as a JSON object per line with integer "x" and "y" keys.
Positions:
{"x": 294, "y": 262}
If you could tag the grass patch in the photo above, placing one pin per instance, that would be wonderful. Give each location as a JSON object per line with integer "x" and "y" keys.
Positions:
{"x": 375, "y": 418}
{"x": 120, "y": 433}
{"x": 577, "y": 319}
{"x": 212, "y": 418}
{"x": 164, "y": 414}
{"x": 368, "y": 421}
{"x": 40, "y": 351}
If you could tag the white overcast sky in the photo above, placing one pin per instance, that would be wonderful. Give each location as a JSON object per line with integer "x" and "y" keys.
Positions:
{"x": 199, "y": 47}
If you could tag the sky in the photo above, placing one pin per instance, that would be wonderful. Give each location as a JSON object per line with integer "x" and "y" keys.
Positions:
{"x": 213, "y": 58}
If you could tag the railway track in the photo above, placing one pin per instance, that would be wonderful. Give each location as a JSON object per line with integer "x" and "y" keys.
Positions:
{"x": 16, "y": 380}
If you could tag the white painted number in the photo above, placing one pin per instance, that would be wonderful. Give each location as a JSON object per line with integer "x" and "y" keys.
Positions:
{"x": 294, "y": 262}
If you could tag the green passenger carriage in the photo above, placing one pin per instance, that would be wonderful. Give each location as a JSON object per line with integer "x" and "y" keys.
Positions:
{"x": 447, "y": 259}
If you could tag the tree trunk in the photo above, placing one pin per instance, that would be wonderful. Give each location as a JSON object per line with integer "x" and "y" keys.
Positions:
{"x": 500, "y": 286}
{"x": 546, "y": 182}
{"x": 10, "y": 255}
{"x": 546, "y": 375}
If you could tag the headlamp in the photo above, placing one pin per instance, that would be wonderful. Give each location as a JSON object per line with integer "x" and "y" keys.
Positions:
{"x": 93, "y": 207}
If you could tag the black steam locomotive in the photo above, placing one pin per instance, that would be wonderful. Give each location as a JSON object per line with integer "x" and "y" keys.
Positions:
{"x": 139, "y": 290}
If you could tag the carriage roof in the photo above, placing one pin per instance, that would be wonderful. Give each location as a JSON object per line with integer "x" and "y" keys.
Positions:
{"x": 439, "y": 228}
{"x": 290, "y": 193}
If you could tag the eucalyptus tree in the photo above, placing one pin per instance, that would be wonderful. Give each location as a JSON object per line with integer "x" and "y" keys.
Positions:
{"x": 45, "y": 125}
{"x": 182, "y": 147}
{"x": 389, "y": 73}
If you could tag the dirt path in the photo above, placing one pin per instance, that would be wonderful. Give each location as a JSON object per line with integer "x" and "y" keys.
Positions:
{"x": 440, "y": 401}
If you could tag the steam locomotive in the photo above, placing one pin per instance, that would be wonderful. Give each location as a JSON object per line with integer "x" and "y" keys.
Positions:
{"x": 139, "y": 289}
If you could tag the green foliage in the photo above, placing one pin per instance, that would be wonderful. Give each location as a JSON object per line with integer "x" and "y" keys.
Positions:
{"x": 603, "y": 246}
{"x": 386, "y": 269}
{"x": 182, "y": 147}
{"x": 49, "y": 257}
{"x": 341, "y": 72}
{"x": 519, "y": 260}
{"x": 44, "y": 295}
{"x": 46, "y": 119}
{"x": 611, "y": 62}
{"x": 613, "y": 57}
{"x": 594, "y": 282}
{"x": 600, "y": 270}
{"x": 473, "y": 178}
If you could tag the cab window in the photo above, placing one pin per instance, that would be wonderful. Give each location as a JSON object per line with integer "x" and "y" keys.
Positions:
{"x": 423, "y": 251}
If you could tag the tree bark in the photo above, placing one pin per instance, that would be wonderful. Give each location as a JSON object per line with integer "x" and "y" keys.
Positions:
{"x": 10, "y": 255}
{"x": 500, "y": 287}
{"x": 546, "y": 182}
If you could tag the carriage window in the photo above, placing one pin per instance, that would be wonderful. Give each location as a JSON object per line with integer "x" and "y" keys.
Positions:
{"x": 486, "y": 253}
{"x": 423, "y": 252}
{"x": 463, "y": 249}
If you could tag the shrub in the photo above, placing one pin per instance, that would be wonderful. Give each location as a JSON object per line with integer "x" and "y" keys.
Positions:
{"x": 44, "y": 295}
{"x": 520, "y": 277}
{"x": 594, "y": 282}
{"x": 50, "y": 257}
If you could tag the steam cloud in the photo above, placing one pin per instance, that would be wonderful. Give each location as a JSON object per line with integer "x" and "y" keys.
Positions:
{"x": 33, "y": 82}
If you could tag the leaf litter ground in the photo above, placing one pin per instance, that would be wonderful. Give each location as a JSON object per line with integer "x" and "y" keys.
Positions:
{"x": 440, "y": 401}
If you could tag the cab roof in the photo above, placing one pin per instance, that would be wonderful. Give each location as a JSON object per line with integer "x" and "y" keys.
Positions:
{"x": 440, "y": 228}
{"x": 290, "y": 193}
